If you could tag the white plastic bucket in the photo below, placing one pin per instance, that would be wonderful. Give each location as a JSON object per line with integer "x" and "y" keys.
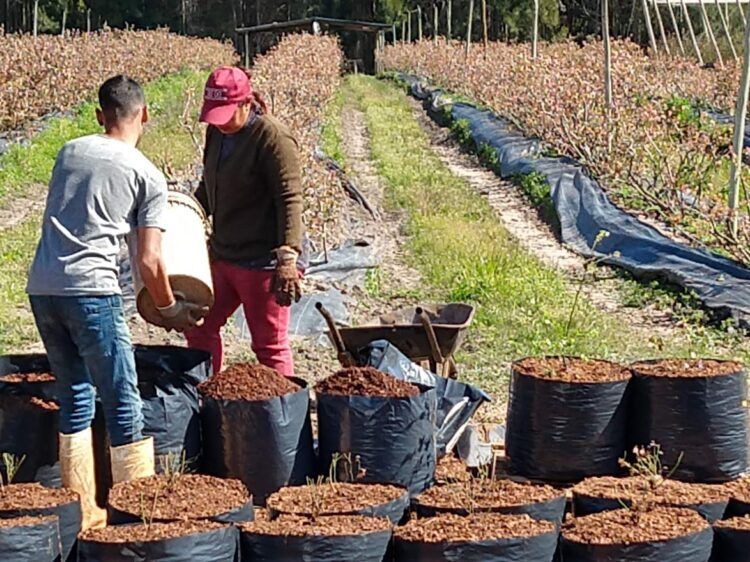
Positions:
{"x": 185, "y": 255}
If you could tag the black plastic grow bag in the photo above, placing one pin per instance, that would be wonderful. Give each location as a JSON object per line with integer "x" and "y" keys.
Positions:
{"x": 69, "y": 523}
{"x": 588, "y": 505}
{"x": 393, "y": 437}
{"x": 551, "y": 510}
{"x": 365, "y": 547}
{"x": 215, "y": 545}
{"x": 695, "y": 547}
{"x": 394, "y": 510}
{"x": 702, "y": 418}
{"x": 565, "y": 432}
{"x": 39, "y": 542}
{"x": 267, "y": 444}
{"x": 731, "y": 545}
{"x": 540, "y": 548}
{"x": 737, "y": 508}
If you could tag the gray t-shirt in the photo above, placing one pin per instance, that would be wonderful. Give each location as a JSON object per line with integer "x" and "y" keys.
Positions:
{"x": 101, "y": 189}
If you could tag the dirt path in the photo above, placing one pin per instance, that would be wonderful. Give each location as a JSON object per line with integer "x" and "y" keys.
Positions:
{"x": 523, "y": 223}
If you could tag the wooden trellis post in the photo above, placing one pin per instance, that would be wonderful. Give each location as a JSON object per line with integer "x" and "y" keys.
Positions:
{"x": 710, "y": 31}
{"x": 468, "y": 27}
{"x": 435, "y": 21}
{"x": 676, "y": 28}
{"x": 607, "y": 57}
{"x": 419, "y": 21}
{"x": 727, "y": 34}
{"x": 649, "y": 27}
{"x": 661, "y": 28}
{"x": 696, "y": 48}
{"x": 535, "y": 32}
{"x": 740, "y": 115}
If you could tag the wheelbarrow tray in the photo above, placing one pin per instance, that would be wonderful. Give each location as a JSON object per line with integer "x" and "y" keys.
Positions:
{"x": 403, "y": 329}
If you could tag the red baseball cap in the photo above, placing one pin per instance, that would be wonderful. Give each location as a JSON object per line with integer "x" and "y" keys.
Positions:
{"x": 226, "y": 89}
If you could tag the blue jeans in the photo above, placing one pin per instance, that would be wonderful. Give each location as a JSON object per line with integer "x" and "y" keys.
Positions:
{"x": 89, "y": 350}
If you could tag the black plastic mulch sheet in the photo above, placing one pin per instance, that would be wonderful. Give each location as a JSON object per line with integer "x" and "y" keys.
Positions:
{"x": 39, "y": 542}
{"x": 702, "y": 418}
{"x": 565, "y": 432}
{"x": 552, "y": 510}
{"x": 457, "y": 402}
{"x": 588, "y": 505}
{"x": 394, "y": 511}
{"x": 267, "y": 444}
{"x": 365, "y": 547}
{"x": 219, "y": 545}
{"x": 540, "y": 548}
{"x": 167, "y": 381}
{"x": 69, "y": 524}
{"x": 393, "y": 437}
{"x": 242, "y": 514}
{"x": 695, "y": 547}
{"x": 731, "y": 545}
{"x": 584, "y": 210}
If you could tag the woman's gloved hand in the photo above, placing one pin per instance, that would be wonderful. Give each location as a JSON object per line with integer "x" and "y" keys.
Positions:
{"x": 286, "y": 279}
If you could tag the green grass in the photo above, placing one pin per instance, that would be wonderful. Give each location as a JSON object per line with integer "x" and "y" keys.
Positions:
{"x": 331, "y": 131}
{"x": 165, "y": 136}
{"x": 464, "y": 254}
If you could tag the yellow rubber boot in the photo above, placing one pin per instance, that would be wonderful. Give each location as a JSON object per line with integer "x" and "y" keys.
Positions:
{"x": 135, "y": 460}
{"x": 77, "y": 468}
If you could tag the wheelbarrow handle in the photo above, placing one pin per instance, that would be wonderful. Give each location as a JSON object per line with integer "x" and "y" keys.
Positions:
{"x": 345, "y": 358}
{"x": 437, "y": 357}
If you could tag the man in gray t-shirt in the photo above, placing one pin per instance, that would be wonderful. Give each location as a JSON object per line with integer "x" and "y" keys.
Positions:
{"x": 101, "y": 189}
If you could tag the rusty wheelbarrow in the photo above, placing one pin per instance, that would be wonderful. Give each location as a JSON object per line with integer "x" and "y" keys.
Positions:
{"x": 426, "y": 333}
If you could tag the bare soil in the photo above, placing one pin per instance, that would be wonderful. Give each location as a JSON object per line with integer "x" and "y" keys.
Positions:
{"x": 247, "y": 381}
{"x": 338, "y": 498}
{"x": 623, "y": 526}
{"x": 365, "y": 381}
{"x": 26, "y": 521}
{"x": 149, "y": 533}
{"x": 28, "y": 377}
{"x": 478, "y": 527}
{"x": 451, "y": 469}
{"x": 327, "y": 526}
{"x": 667, "y": 493}
{"x": 687, "y": 368}
{"x": 571, "y": 369}
{"x": 34, "y": 496}
{"x": 191, "y": 496}
{"x": 486, "y": 495}
{"x": 736, "y": 523}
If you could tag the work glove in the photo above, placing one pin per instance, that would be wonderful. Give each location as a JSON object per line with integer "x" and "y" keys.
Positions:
{"x": 286, "y": 285}
{"x": 182, "y": 315}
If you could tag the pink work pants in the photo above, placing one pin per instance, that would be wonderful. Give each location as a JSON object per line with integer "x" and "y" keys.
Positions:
{"x": 268, "y": 322}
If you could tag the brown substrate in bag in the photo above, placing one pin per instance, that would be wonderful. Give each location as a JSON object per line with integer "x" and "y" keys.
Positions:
{"x": 687, "y": 368}
{"x": 247, "y": 381}
{"x": 471, "y": 528}
{"x": 735, "y": 523}
{"x": 44, "y": 404}
{"x": 26, "y": 521}
{"x": 486, "y": 495}
{"x": 571, "y": 369}
{"x": 624, "y": 526}
{"x": 148, "y": 533}
{"x": 336, "y": 498}
{"x": 189, "y": 496}
{"x": 27, "y": 377}
{"x": 739, "y": 489}
{"x": 365, "y": 381}
{"x": 451, "y": 469}
{"x": 34, "y": 496}
{"x": 324, "y": 526}
{"x": 638, "y": 488}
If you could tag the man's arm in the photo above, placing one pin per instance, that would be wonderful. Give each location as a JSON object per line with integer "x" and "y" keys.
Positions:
{"x": 151, "y": 267}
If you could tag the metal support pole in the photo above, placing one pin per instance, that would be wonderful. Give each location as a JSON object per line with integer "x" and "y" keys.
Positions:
{"x": 676, "y": 28}
{"x": 693, "y": 39}
{"x": 535, "y": 32}
{"x": 661, "y": 28}
{"x": 607, "y": 57}
{"x": 419, "y": 21}
{"x": 468, "y": 26}
{"x": 393, "y": 31}
{"x": 247, "y": 50}
{"x": 408, "y": 25}
{"x": 403, "y": 31}
{"x": 449, "y": 20}
{"x": 435, "y": 22}
{"x": 649, "y": 27}
{"x": 484, "y": 25}
{"x": 727, "y": 34}
{"x": 711, "y": 36}
{"x": 742, "y": 12}
{"x": 740, "y": 115}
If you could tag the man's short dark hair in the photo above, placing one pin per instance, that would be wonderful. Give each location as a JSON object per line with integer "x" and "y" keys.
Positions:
{"x": 121, "y": 97}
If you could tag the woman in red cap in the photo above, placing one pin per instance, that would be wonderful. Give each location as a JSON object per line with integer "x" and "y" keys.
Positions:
{"x": 251, "y": 191}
